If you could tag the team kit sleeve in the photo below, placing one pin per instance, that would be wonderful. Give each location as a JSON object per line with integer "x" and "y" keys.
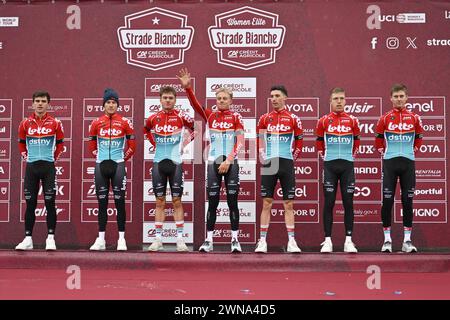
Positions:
{"x": 356, "y": 136}
{"x": 320, "y": 133}
{"x": 93, "y": 148}
{"x": 188, "y": 123}
{"x": 147, "y": 131}
{"x": 379, "y": 135}
{"x": 261, "y": 130}
{"x": 239, "y": 143}
{"x": 59, "y": 140}
{"x": 23, "y": 140}
{"x": 418, "y": 138}
{"x": 203, "y": 112}
{"x": 298, "y": 137}
{"x": 131, "y": 142}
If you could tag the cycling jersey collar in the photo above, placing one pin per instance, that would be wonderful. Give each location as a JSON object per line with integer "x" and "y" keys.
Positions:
{"x": 399, "y": 110}
{"x": 169, "y": 112}
{"x": 339, "y": 114}
{"x": 44, "y": 117}
{"x": 280, "y": 110}
{"x": 227, "y": 111}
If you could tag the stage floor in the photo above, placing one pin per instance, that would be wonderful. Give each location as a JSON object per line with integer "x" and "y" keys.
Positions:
{"x": 222, "y": 276}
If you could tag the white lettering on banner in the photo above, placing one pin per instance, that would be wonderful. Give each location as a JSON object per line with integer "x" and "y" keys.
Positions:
{"x": 59, "y": 190}
{"x": 430, "y": 148}
{"x": 366, "y": 170}
{"x": 59, "y": 171}
{"x": 358, "y": 108}
{"x": 94, "y": 211}
{"x": 400, "y": 126}
{"x": 143, "y": 39}
{"x": 363, "y": 192}
{"x": 431, "y": 191}
{"x": 299, "y": 192}
{"x": 420, "y": 212}
{"x": 39, "y": 130}
{"x": 303, "y": 170}
{"x": 224, "y": 233}
{"x": 367, "y": 149}
{"x": 420, "y": 107}
{"x": 43, "y": 212}
{"x": 366, "y": 127}
{"x": 297, "y": 212}
{"x": 2, "y": 108}
{"x": 296, "y": 107}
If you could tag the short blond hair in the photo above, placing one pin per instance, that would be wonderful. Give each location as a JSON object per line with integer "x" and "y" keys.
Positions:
{"x": 226, "y": 90}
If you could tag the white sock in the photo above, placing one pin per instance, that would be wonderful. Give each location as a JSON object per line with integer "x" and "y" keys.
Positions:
{"x": 327, "y": 239}
{"x": 387, "y": 234}
{"x": 28, "y": 238}
{"x": 101, "y": 235}
{"x": 234, "y": 234}
{"x": 407, "y": 234}
{"x": 210, "y": 236}
{"x": 51, "y": 237}
{"x": 122, "y": 235}
{"x": 348, "y": 239}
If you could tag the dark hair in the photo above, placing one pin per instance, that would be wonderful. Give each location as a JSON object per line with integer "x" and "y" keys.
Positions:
{"x": 167, "y": 89}
{"x": 336, "y": 90}
{"x": 399, "y": 87}
{"x": 281, "y": 88}
{"x": 41, "y": 94}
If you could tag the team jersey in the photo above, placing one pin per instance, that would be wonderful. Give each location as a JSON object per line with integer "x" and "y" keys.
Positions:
{"x": 225, "y": 130}
{"x": 338, "y": 136}
{"x": 41, "y": 138}
{"x": 107, "y": 137}
{"x": 399, "y": 133}
{"x": 280, "y": 134}
{"x": 165, "y": 130}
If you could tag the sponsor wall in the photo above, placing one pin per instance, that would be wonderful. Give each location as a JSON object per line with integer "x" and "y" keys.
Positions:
{"x": 362, "y": 47}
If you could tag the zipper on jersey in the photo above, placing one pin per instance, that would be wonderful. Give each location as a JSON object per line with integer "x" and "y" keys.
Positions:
{"x": 401, "y": 133}
{"x": 110, "y": 129}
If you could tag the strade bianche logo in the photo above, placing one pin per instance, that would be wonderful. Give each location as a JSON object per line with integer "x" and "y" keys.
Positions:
{"x": 155, "y": 38}
{"x": 246, "y": 38}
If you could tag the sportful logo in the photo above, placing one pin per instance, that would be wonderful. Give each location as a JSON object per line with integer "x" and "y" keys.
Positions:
{"x": 156, "y": 38}
{"x": 246, "y": 38}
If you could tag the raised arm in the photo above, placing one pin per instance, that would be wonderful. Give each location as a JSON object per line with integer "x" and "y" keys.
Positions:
{"x": 185, "y": 79}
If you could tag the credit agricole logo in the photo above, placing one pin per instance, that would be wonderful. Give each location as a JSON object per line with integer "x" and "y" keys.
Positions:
{"x": 155, "y": 38}
{"x": 246, "y": 38}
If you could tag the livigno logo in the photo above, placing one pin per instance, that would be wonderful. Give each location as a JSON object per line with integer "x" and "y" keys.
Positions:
{"x": 155, "y": 38}
{"x": 246, "y": 38}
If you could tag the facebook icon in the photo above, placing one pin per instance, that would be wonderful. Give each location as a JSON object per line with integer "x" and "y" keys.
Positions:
{"x": 374, "y": 42}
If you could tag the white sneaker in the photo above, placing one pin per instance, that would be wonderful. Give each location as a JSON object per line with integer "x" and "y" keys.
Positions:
{"x": 235, "y": 246}
{"x": 408, "y": 247}
{"x": 261, "y": 247}
{"x": 387, "y": 247}
{"x": 181, "y": 246}
{"x": 50, "y": 244}
{"x": 292, "y": 247}
{"x": 207, "y": 246}
{"x": 349, "y": 247}
{"x": 26, "y": 244}
{"x": 99, "y": 245}
{"x": 121, "y": 245}
{"x": 327, "y": 247}
{"x": 156, "y": 245}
